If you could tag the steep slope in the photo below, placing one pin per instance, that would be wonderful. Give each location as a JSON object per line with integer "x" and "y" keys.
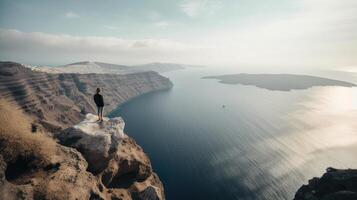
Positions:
{"x": 61, "y": 100}
{"x": 113, "y": 157}
{"x": 34, "y": 166}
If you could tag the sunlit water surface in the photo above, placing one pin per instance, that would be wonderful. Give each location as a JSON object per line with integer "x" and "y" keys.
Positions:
{"x": 262, "y": 145}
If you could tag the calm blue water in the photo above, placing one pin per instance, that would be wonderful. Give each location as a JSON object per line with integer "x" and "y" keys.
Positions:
{"x": 262, "y": 145}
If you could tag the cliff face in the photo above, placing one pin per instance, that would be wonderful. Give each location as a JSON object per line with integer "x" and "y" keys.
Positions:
{"x": 118, "y": 162}
{"x": 34, "y": 166}
{"x": 335, "y": 184}
{"x": 61, "y": 100}
{"x": 91, "y": 161}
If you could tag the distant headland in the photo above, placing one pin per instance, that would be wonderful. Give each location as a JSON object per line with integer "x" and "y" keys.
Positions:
{"x": 280, "y": 82}
{"x": 85, "y": 67}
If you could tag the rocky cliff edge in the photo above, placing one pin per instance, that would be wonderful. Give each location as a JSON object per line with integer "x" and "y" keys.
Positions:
{"x": 59, "y": 101}
{"x": 90, "y": 161}
{"x": 335, "y": 184}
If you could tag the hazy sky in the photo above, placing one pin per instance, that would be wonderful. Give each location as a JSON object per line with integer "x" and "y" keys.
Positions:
{"x": 282, "y": 33}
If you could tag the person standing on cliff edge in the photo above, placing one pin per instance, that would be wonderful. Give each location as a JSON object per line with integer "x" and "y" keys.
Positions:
{"x": 98, "y": 99}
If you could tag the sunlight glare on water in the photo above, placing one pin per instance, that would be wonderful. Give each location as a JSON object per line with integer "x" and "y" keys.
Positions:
{"x": 262, "y": 145}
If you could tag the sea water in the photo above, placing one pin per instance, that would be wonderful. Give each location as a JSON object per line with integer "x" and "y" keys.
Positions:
{"x": 208, "y": 140}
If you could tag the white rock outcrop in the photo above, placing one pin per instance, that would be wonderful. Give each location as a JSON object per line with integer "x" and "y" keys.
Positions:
{"x": 34, "y": 166}
{"x": 95, "y": 140}
{"x": 118, "y": 162}
{"x": 113, "y": 126}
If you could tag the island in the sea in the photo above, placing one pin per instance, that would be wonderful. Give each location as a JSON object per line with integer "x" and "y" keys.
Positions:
{"x": 280, "y": 82}
{"x": 53, "y": 148}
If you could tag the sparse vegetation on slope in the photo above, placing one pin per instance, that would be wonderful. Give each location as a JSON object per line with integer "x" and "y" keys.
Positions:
{"x": 34, "y": 166}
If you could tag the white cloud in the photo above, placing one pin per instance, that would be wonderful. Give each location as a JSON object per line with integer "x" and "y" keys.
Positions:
{"x": 194, "y": 8}
{"x": 320, "y": 33}
{"x": 42, "y": 47}
{"x": 71, "y": 15}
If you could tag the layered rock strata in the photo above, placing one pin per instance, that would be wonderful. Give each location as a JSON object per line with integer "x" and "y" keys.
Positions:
{"x": 62, "y": 100}
{"x": 91, "y": 161}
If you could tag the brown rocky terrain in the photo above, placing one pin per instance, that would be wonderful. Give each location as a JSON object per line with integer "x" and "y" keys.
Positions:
{"x": 45, "y": 155}
{"x": 51, "y": 148}
{"x": 34, "y": 166}
{"x": 113, "y": 157}
{"x": 61, "y": 100}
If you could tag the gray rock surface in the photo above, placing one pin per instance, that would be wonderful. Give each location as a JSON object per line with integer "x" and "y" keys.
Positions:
{"x": 96, "y": 141}
{"x": 113, "y": 157}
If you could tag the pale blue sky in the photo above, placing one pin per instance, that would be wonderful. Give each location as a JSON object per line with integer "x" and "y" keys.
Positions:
{"x": 133, "y": 18}
{"x": 286, "y": 33}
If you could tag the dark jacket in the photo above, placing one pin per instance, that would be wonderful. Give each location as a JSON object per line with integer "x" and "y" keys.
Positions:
{"x": 98, "y": 99}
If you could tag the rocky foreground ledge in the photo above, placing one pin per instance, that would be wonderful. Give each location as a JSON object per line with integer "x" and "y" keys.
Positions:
{"x": 91, "y": 160}
{"x": 118, "y": 162}
{"x": 335, "y": 184}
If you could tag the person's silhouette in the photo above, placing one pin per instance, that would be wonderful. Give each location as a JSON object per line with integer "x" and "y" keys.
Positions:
{"x": 98, "y": 99}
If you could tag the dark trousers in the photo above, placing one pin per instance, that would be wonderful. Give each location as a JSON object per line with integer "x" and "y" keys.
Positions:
{"x": 100, "y": 110}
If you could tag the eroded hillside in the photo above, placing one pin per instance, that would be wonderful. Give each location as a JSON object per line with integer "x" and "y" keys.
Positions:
{"x": 34, "y": 166}
{"x": 61, "y": 100}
